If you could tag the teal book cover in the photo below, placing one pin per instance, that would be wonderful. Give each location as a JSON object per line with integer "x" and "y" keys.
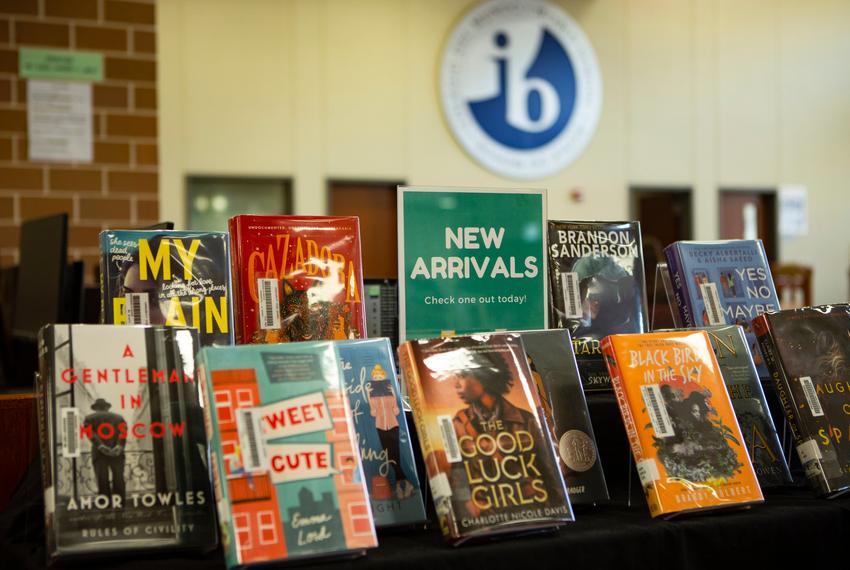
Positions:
{"x": 382, "y": 433}
{"x": 287, "y": 473}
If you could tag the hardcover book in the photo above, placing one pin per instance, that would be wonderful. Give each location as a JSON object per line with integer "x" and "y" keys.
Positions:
{"x": 286, "y": 468}
{"x": 167, "y": 278}
{"x": 808, "y": 353}
{"x": 470, "y": 260}
{"x": 383, "y": 439}
{"x": 688, "y": 448}
{"x": 742, "y": 381}
{"x": 486, "y": 444}
{"x": 556, "y": 377}
{"x": 297, "y": 278}
{"x": 723, "y": 283}
{"x": 597, "y": 287}
{"x": 123, "y": 441}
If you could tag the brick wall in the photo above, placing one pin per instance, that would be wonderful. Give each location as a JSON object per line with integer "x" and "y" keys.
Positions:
{"x": 118, "y": 189}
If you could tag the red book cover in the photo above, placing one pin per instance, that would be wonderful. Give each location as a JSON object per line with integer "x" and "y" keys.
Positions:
{"x": 297, "y": 278}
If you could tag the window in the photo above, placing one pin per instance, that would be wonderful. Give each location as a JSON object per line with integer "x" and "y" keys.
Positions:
{"x": 267, "y": 527}
{"x": 361, "y": 522}
{"x": 224, "y": 406}
{"x": 212, "y": 200}
{"x": 244, "y": 398}
{"x": 348, "y": 465}
{"x": 242, "y": 526}
{"x": 228, "y": 451}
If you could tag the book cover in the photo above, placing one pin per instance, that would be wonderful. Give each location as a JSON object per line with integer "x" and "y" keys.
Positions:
{"x": 123, "y": 435}
{"x": 297, "y": 278}
{"x": 168, "y": 278}
{"x": 470, "y": 260}
{"x": 748, "y": 400}
{"x": 687, "y": 445}
{"x": 553, "y": 369}
{"x": 597, "y": 287}
{"x": 287, "y": 472}
{"x": 487, "y": 448}
{"x": 808, "y": 353}
{"x": 723, "y": 283}
{"x": 368, "y": 368}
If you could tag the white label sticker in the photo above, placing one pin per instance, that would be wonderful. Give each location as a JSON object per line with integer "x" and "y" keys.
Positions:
{"x": 811, "y": 396}
{"x": 809, "y": 451}
{"x": 250, "y": 442}
{"x": 440, "y": 486}
{"x": 572, "y": 295}
{"x": 661, "y": 424}
{"x": 70, "y": 432}
{"x": 137, "y": 307}
{"x": 269, "y": 310}
{"x": 49, "y": 503}
{"x": 648, "y": 471}
{"x": 447, "y": 431}
{"x": 713, "y": 309}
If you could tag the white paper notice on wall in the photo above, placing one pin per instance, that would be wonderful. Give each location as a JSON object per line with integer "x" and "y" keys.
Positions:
{"x": 793, "y": 210}
{"x": 59, "y": 118}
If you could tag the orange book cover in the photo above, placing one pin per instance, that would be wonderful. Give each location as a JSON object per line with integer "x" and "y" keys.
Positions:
{"x": 687, "y": 444}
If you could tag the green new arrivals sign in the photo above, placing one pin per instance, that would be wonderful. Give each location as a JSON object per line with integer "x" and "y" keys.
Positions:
{"x": 60, "y": 64}
{"x": 472, "y": 261}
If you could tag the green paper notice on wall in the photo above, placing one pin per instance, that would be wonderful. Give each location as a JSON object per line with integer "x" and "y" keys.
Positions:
{"x": 60, "y": 64}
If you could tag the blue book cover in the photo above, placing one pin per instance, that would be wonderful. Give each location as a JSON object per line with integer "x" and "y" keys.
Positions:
{"x": 382, "y": 433}
{"x": 723, "y": 283}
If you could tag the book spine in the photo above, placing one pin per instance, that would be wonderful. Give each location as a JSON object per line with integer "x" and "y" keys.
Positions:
{"x": 437, "y": 479}
{"x": 645, "y": 473}
{"x": 674, "y": 265}
{"x": 235, "y": 279}
{"x": 799, "y": 431}
{"x": 42, "y": 395}
{"x": 216, "y": 462}
{"x": 104, "y": 265}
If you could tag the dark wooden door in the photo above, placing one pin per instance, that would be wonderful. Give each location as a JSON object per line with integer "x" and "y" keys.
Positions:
{"x": 750, "y": 214}
{"x": 375, "y": 205}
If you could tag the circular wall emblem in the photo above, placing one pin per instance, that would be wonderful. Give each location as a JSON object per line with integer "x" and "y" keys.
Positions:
{"x": 577, "y": 450}
{"x": 520, "y": 87}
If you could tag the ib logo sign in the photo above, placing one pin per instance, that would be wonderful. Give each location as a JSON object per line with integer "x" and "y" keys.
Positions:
{"x": 520, "y": 87}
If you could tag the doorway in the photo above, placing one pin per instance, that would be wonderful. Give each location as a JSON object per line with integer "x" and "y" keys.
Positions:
{"x": 750, "y": 214}
{"x": 665, "y": 216}
{"x": 375, "y": 204}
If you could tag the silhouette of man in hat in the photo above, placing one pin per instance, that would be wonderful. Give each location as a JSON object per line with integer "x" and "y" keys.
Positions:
{"x": 107, "y": 452}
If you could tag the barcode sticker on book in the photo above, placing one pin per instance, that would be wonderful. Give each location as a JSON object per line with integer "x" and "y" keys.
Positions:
{"x": 648, "y": 471}
{"x": 572, "y": 295}
{"x": 713, "y": 309}
{"x": 809, "y": 451}
{"x": 447, "y": 430}
{"x": 661, "y": 424}
{"x": 250, "y": 442}
{"x": 811, "y": 396}
{"x": 138, "y": 309}
{"x": 269, "y": 310}
{"x": 70, "y": 418}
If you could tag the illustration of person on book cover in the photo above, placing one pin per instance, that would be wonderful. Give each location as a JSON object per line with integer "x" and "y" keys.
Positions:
{"x": 383, "y": 405}
{"x": 499, "y": 441}
{"x": 699, "y": 450}
{"x": 107, "y": 452}
{"x": 605, "y": 288}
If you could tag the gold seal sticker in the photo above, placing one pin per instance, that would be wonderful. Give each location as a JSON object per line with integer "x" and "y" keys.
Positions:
{"x": 577, "y": 450}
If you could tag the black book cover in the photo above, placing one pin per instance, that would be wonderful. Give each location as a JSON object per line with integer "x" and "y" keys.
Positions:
{"x": 123, "y": 437}
{"x": 597, "y": 288}
{"x": 553, "y": 367}
{"x": 808, "y": 354}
